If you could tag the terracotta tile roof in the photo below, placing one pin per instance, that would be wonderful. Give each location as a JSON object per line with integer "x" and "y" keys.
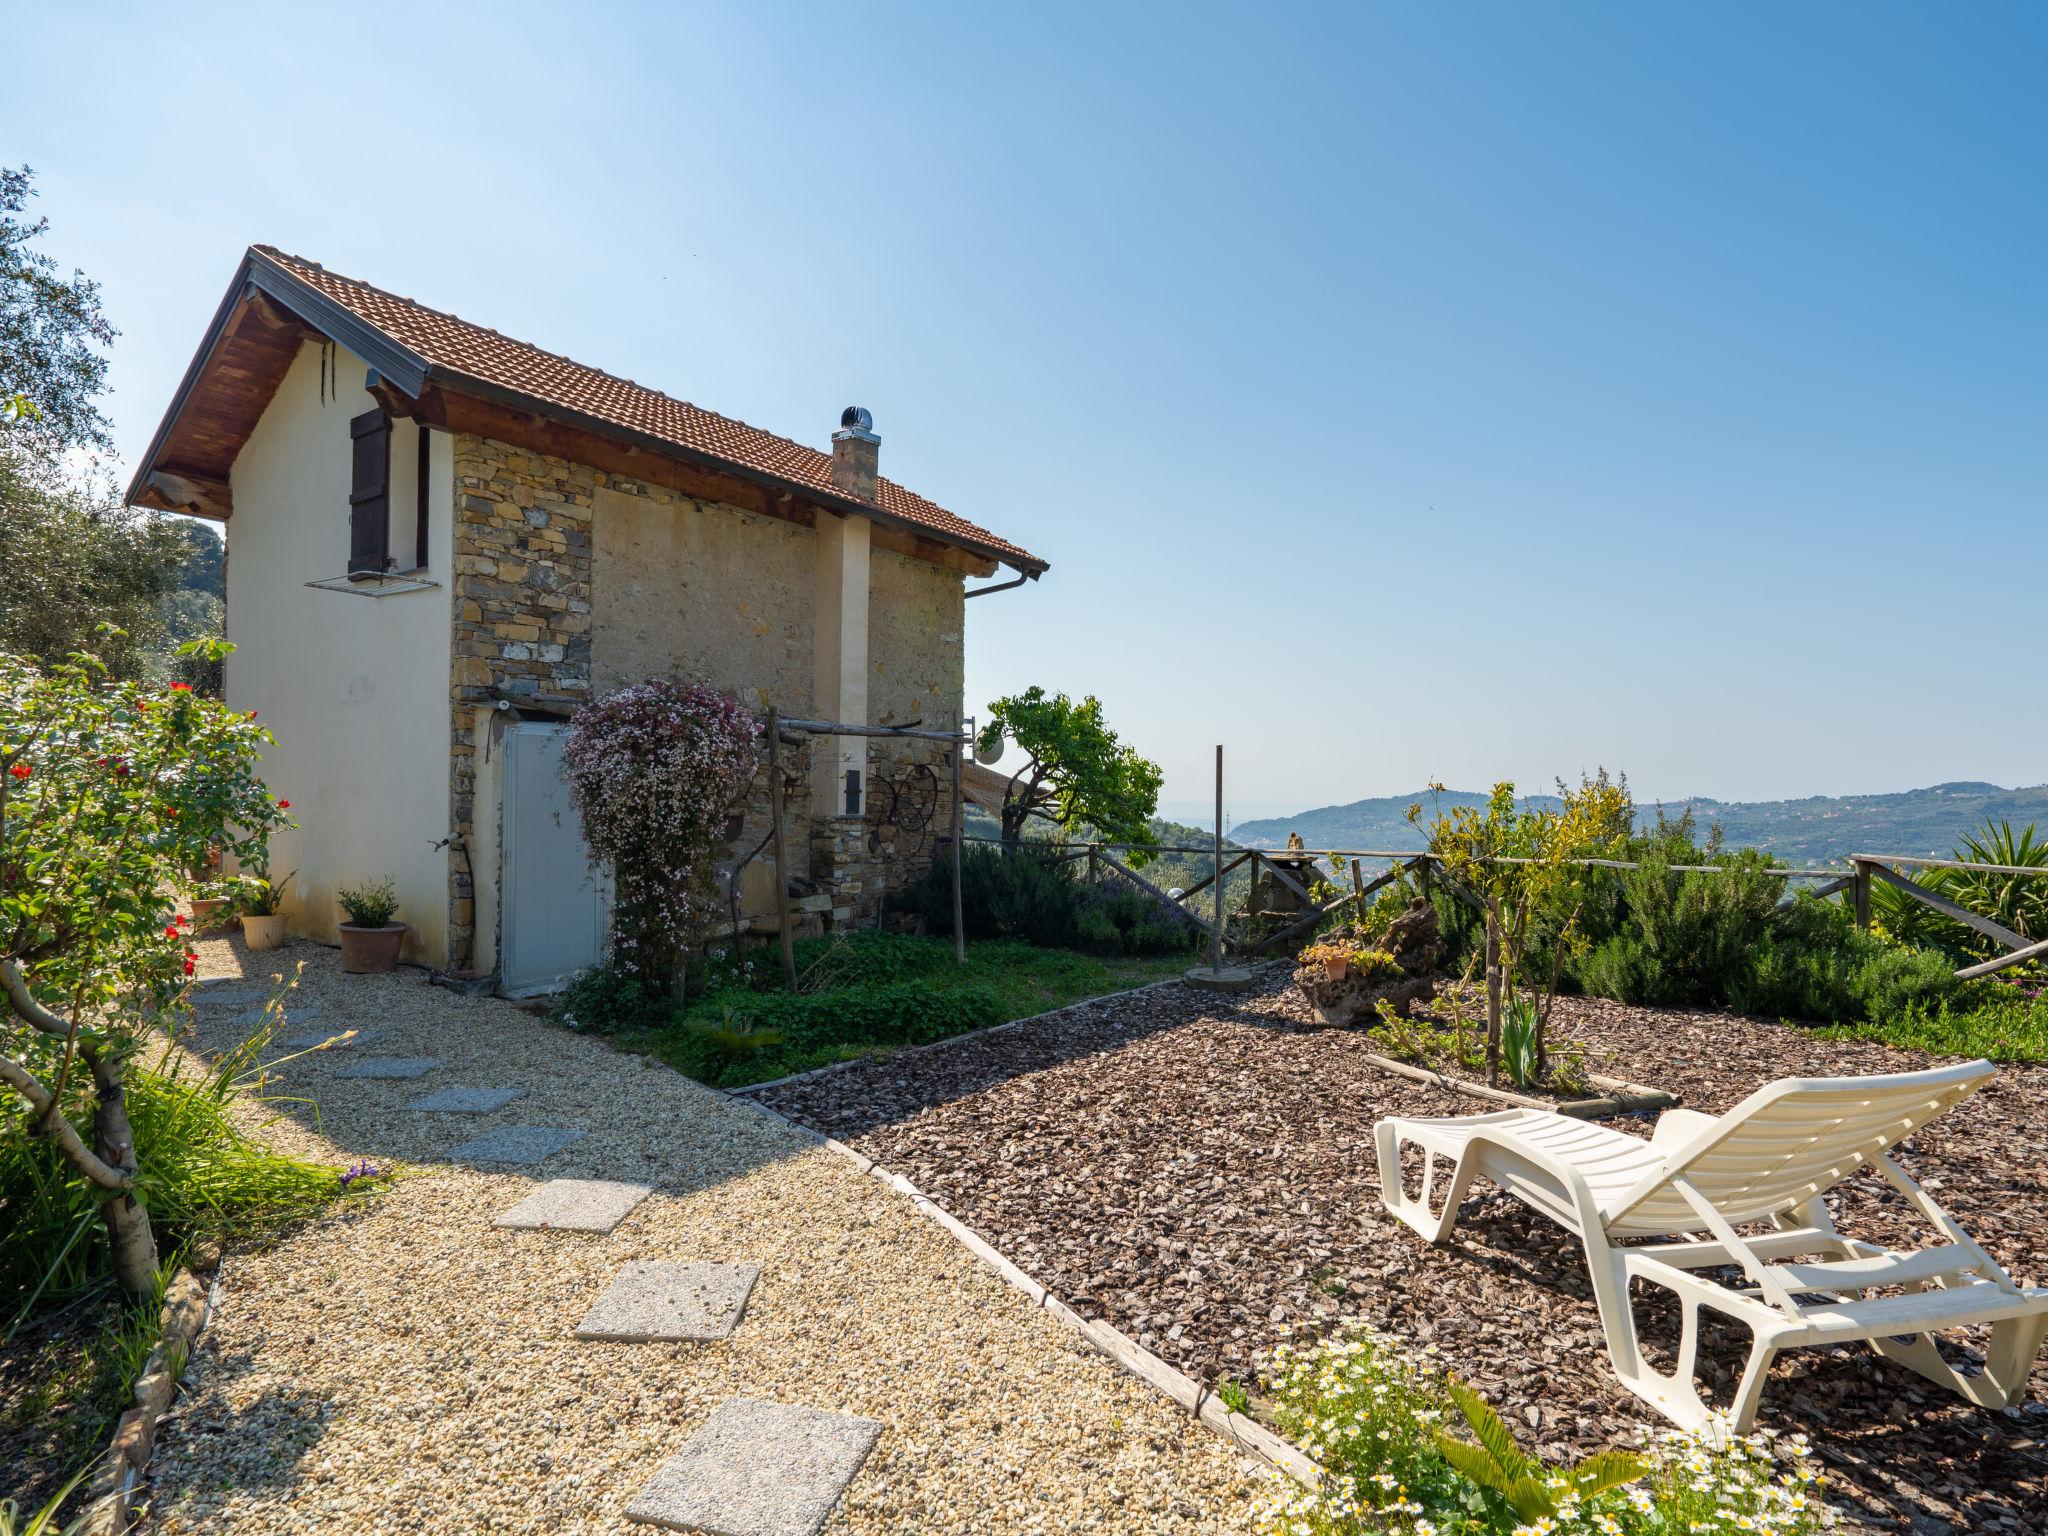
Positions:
{"x": 445, "y": 341}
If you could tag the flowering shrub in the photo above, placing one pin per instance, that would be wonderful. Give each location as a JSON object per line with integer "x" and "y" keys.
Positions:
{"x": 1374, "y": 1416}
{"x": 111, "y": 793}
{"x": 654, "y": 770}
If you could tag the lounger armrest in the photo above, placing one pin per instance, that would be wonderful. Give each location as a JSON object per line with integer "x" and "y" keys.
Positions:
{"x": 1678, "y": 1125}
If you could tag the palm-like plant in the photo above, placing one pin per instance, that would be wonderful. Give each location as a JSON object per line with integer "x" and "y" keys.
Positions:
{"x": 1531, "y": 1489}
{"x": 2020, "y": 902}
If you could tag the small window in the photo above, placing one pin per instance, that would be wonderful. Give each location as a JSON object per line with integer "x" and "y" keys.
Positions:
{"x": 369, "y": 497}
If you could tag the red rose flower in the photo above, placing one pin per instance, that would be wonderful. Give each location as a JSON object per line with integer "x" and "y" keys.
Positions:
{"x": 191, "y": 963}
{"x": 172, "y": 931}
{"x": 21, "y": 770}
{"x": 284, "y": 805}
{"x": 181, "y": 687}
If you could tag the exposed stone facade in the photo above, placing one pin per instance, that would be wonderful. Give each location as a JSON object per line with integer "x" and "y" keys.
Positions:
{"x": 569, "y": 581}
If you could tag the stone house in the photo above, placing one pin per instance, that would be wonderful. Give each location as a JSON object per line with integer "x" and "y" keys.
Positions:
{"x": 442, "y": 541}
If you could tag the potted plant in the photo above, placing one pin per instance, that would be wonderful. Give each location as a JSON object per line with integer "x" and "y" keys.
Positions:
{"x": 262, "y": 922}
{"x": 1333, "y": 955}
{"x": 370, "y": 939}
{"x": 207, "y": 903}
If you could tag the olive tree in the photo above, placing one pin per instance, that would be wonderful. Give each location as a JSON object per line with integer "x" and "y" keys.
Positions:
{"x": 110, "y": 792}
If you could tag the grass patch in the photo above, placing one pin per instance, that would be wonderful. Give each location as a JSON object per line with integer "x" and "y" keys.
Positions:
{"x": 2002, "y": 1021}
{"x": 70, "y": 1344}
{"x": 66, "y": 1381}
{"x": 862, "y": 994}
{"x": 202, "y": 1175}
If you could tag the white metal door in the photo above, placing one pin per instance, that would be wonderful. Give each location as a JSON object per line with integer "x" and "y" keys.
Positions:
{"x": 555, "y": 906}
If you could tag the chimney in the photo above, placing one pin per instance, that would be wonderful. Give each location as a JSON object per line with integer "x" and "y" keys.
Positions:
{"x": 854, "y": 447}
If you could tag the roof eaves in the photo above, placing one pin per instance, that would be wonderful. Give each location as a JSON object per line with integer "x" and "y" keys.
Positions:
{"x": 209, "y": 343}
{"x": 554, "y": 410}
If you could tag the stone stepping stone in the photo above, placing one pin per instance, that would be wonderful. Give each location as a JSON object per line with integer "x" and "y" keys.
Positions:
{"x": 757, "y": 1469}
{"x": 466, "y": 1101}
{"x": 516, "y": 1144}
{"x": 211, "y": 994}
{"x": 574, "y": 1205}
{"x": 314, "y": 1037}
{"x": 391, "y": 1066}
{"x": 652, "y": 1301}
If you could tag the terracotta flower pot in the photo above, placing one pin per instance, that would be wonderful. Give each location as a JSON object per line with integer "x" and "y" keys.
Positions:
{"x": 1334, "y": 966}
{"x": 260, "y": 931}
{"x": 206, "y": 913}
{"x": 365, "y": 950}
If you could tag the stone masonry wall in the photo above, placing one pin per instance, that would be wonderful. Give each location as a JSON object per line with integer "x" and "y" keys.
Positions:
{"x": 522, "y": 614}
{"x": 569, "y": 581}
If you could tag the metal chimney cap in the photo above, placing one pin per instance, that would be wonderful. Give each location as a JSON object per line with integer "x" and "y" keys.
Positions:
{"x": 855, "y": 422}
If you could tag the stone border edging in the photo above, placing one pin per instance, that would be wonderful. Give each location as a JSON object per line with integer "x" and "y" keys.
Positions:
{"x": 1248, "y": 1435}
{"x": 187, "y": 1308}
{"x": 973, "y": 1034}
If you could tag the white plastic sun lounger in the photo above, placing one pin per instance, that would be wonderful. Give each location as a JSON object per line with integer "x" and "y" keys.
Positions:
{"x": 1699, "y": 1178}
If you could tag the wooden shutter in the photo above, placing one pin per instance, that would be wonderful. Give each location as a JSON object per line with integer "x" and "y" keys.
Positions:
{"x": 426, "y": 458}
{"x": 369, "y": 497}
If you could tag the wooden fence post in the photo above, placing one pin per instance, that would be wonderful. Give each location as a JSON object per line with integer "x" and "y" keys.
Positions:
{"x": 1859, "y": 891}
{"x": 959, "y": 929}
{"x": 1216, "y": 937}
{"x": 781, "y": 849}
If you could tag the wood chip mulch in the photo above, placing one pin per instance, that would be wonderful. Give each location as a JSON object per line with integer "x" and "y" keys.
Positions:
{"x": 1199, "y": 1170}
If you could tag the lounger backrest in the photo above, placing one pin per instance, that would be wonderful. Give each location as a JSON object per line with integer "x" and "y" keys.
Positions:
{"x": 1789, "y": 1141}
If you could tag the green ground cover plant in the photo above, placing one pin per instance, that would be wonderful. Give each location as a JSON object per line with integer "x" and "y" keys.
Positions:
{"x": 1412, "y": 1451}
{"x": 2001, "y": 1021}
{"x": 859, "y": 994}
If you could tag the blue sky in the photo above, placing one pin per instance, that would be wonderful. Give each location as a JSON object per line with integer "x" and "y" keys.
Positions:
{"x": 1459, "y": 391}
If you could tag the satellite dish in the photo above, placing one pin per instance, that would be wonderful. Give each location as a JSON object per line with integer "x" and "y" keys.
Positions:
{"x": 989, "y": 751}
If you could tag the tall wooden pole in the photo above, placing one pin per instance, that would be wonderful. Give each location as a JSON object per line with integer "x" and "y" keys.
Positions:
{"x": 959, "y": 931}
{"x": 781, "y": 851}
{"x": 1216, "y": 938}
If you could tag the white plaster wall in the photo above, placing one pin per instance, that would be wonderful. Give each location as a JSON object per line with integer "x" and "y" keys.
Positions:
{"x": 355, "y": 688}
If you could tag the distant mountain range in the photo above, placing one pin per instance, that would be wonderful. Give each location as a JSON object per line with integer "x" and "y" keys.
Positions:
{"x": 1818, "y": 830}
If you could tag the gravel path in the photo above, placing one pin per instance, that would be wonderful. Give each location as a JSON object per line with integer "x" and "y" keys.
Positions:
{"x": 404, "y": 1366}
{"x": 1200, "y": 1171}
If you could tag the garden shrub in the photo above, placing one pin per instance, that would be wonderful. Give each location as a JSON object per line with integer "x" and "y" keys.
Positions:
{"x": 1679, "y": 937}
{"x": 610, "y": 999}
{"x": 1663, "y": 937}
{"x": 1034, "y": 895}
{"x": 1376, "y": 1418}
{"x": 1815, "y": 963}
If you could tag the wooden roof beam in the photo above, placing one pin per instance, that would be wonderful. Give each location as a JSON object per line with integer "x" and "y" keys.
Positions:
{"x": 187, "y": 491}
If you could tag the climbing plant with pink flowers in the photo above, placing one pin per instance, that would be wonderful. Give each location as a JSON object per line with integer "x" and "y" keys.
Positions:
{"x": 655, "y": 770}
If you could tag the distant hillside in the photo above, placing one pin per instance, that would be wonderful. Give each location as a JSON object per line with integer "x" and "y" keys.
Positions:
{"x": 1817, "y": 830}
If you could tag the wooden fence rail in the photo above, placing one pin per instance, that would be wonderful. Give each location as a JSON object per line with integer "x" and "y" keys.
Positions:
{"x": 1852, "y": 885}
